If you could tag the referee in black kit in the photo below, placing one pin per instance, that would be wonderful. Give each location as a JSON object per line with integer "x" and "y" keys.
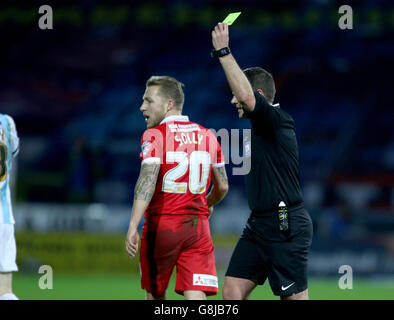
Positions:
{"x": 278, "y": 234}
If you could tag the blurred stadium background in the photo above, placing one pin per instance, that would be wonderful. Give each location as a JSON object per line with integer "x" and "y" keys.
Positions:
{"x": 75, "y": 93}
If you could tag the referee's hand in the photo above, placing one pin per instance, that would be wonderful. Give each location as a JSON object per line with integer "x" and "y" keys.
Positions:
{"x": 220, "y": 37}
{"x": 132, "y": 241}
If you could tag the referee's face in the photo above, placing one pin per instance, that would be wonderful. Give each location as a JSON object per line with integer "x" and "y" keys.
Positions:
{"x": 235, "y": 102}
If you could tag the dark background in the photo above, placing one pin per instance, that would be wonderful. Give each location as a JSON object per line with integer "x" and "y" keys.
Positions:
{"x": 75, "y": 92}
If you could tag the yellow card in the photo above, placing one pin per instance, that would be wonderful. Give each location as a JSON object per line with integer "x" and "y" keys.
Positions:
{"x": 231, "y": 18}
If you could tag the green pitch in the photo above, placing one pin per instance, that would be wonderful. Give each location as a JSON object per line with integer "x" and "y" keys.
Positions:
{"x": 127, "y": 287}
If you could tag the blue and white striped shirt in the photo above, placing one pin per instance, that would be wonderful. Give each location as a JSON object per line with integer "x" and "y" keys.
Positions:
{"x": 9, "y": 148}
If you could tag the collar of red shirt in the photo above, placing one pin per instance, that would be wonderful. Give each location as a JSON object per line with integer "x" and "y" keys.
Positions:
{"x": 175, "y": 118}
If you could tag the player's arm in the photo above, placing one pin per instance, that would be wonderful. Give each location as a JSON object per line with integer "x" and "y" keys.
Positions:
{"x": 237, "y": 80}
{"x": 143, "y": 192}
{"x": 219, "y": 188}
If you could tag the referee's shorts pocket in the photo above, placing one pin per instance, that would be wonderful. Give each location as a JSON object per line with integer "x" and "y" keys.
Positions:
{"x": 267, "y": 228}
{"x": 301, "y": 227}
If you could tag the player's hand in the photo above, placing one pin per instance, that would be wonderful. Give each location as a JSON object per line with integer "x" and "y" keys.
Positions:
{"x": 220, "y": 37}
{"x": 132, "y": 241}
{"x": 210, "y": 210}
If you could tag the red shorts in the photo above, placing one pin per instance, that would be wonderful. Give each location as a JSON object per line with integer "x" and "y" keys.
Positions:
{"x": 183, "y": 241}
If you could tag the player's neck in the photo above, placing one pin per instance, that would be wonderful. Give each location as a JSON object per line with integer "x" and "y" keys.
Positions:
{"x": 172, "y": 113}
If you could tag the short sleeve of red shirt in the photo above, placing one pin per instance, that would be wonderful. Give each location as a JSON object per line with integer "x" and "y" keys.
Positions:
{"x": 218, "y": 160}
{"x": 152, "y": 142}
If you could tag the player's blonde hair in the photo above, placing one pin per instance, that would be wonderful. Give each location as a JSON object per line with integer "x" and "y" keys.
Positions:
{"x": 170, "y": 88}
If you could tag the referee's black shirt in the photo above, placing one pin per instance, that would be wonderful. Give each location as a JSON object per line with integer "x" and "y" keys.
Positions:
{"x": 274, "y": 175}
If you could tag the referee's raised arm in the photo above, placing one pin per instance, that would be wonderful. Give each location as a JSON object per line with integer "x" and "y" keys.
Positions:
{"x": 237, "y": 80}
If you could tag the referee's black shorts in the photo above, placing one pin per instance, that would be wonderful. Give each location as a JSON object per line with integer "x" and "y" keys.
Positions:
{"x": 263, "y": 251}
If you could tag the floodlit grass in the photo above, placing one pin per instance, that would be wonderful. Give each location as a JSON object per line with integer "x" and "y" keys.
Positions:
{"x": 127, "y": 287}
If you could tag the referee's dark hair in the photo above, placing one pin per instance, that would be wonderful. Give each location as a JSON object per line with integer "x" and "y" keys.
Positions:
{"x": 261, "y": 79}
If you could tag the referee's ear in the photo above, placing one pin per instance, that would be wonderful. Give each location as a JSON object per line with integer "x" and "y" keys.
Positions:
{"x": 262, "y": 93}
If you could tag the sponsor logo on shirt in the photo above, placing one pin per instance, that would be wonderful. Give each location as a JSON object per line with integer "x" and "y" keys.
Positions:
{"x": 145, "y": 147}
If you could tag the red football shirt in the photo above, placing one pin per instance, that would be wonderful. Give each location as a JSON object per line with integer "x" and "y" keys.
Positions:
{"x": 186, "y": 151}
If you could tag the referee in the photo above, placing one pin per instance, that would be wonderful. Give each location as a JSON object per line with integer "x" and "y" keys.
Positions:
{"x": 276, "y": 239}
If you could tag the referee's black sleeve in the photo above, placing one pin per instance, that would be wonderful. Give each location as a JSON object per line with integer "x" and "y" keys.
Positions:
{"x": 264, "y": 114}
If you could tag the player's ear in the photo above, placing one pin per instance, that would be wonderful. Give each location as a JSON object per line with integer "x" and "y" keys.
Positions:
{"x": 261, "y": 92}
{"x": 170, "y": 105}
